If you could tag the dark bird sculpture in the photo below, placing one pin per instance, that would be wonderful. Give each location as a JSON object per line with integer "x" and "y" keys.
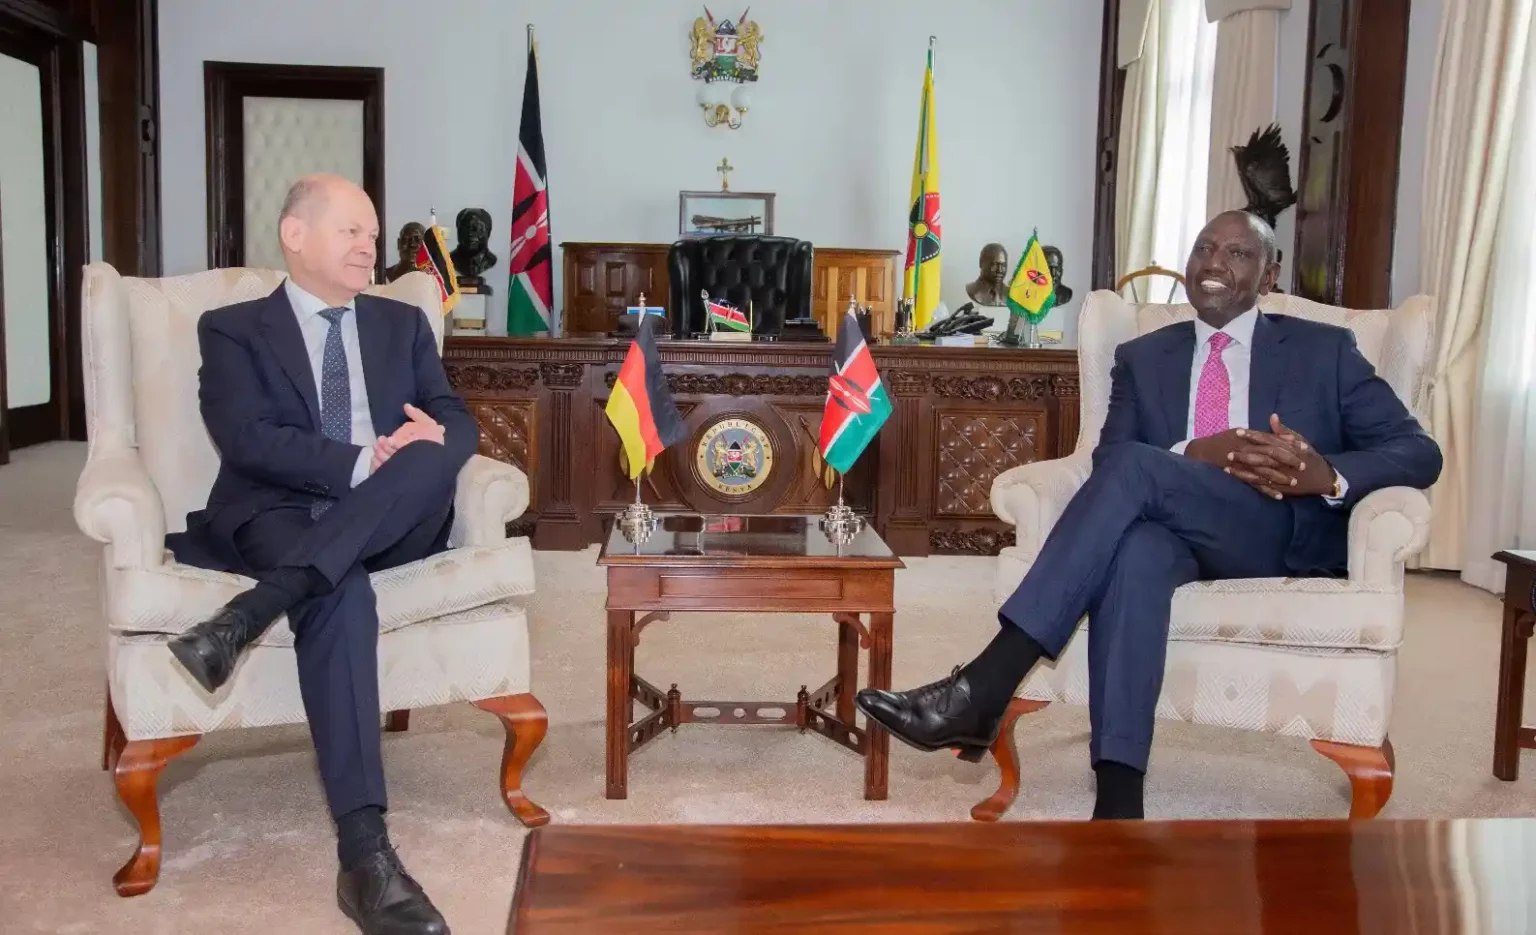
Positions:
{"x": 1264, "y": 166}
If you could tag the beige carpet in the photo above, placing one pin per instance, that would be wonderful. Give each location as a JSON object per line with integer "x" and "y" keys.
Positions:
{"x": 247, "y": 843}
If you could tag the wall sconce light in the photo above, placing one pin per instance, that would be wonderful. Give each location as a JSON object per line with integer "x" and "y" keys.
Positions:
{"x": 724, "y": 55}
{"x": 722, "y": 105}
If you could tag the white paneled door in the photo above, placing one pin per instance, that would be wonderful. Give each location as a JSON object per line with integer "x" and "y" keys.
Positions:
{"x": 287, "y": 138}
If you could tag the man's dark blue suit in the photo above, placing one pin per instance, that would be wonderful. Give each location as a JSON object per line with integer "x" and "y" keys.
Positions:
{"x": 1148, "y": 520}
{"x": 262, "y": 409}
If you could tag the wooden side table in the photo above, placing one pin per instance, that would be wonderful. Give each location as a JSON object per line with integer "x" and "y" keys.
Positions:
{"x": 748, "y": 564}
{"x": 1509, "y": 734}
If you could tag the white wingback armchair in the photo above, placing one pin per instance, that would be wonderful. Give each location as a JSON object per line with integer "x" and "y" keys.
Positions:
{"x": 1314, "y": 658}
{"x": 452, "y": 626}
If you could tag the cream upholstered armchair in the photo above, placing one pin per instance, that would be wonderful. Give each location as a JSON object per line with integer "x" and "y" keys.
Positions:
{"x": 1314, "y": 658}
{"x": 452, "y": 626}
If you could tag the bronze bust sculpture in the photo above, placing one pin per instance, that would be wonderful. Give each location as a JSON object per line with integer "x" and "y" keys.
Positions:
{"x": 471, "y": 257}
{"x": 411, "y": 236}
{"x": 1054, "y": 260}
{"x": 991, "y": 286}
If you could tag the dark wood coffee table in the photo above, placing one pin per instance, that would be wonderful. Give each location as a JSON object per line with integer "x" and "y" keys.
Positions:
{"x": 1510, "y": 736}
{"x": 1217, "y": 877}
{"x": 751, "y": 564}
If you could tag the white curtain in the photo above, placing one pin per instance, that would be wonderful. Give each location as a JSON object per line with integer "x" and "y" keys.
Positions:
{"x": 1165, "y": 129}
{"x": 1474, "y": 107}
{"x": 1243, "y": 99}
{"x": 1501, "y": 507}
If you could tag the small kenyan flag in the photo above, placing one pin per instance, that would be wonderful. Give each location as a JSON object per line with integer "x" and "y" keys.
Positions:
{"x": 722, "y": 315}
{"x": 856, "y": 402}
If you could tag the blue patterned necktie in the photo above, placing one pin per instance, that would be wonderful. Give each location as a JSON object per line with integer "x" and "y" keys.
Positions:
{"x": 335, "y": 392}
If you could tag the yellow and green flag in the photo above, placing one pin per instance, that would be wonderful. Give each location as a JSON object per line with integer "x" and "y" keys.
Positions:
{"x": 923, "y": 228}
{"x": 1032, "y": 292}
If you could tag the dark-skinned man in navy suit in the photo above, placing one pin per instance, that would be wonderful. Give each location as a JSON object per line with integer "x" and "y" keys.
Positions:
{"x": 340, "y": 443}
{"x": 1234, "y": 447}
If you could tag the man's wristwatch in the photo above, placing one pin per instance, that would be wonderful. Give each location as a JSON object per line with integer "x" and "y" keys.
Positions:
{"x": 1338, "y": 488}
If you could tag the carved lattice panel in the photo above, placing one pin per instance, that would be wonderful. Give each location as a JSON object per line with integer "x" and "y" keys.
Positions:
{"x": 507, "y": 434}
{"x": 974, "y": 448}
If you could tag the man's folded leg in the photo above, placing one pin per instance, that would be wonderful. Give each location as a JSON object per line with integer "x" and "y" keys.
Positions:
{"x": 404, "y": 505}
{"x": 1130, "y": 482}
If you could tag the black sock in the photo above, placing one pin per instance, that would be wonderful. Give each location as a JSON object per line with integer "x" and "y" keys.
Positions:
{"x": 277, "y": 591}
{"x": 1119, "y": 793}
{"x": 995, "y": 674}
{"x": 360, "y": 833}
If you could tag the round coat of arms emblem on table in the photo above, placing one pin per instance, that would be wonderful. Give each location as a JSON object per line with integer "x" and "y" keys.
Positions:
{"x": 735, "y": 457}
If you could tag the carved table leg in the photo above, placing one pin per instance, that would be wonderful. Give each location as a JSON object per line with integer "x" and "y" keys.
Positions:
{"x": 847, "y": 670}
{"x": 137, "y": 774}
{"x": 1006, "y": 752}
{"x": 621, "y": 672}
{"x": 398, "y": 722}
{"x": 1369, "y": 770}
{"x": 1506, "y": 723}
{"x": 878, "y": 752}
{"x": 526, "y": 722}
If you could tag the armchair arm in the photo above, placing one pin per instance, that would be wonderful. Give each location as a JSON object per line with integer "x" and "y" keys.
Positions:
{"x": 1032, "y": 496}
{"x": 490, "y": 495}
{"x": 116, "y": 503}
{"x": 1386, "y": 528}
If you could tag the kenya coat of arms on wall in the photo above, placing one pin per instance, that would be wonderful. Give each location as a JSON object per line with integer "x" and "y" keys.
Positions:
{"x": 726, "y": 51}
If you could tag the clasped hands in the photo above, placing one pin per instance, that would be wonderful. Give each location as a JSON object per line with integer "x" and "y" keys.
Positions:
{"x": 418, "y": 427}
{"x": 1278, "y": 463}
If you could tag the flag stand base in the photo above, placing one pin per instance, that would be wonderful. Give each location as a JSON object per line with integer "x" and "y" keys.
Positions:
{"x": 637, "y": 522}
{"x": 840, "y": 524}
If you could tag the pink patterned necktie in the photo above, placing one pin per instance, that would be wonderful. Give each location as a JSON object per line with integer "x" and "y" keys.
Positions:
{"x": 1214, "y": 395}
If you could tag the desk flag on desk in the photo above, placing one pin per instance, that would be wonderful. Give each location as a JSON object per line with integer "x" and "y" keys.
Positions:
{"x": 530, "y": 294}
{"x": 432, "y": 258}
{"x": 856, "y": 402}
{"x": 640, "y": 406}
{"x": 1032, "y": 292}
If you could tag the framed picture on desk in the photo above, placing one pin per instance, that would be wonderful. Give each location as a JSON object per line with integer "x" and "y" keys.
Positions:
{"x": 702, "y": 214}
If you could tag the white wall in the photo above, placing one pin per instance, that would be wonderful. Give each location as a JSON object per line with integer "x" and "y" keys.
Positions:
{"x": 24, "y": 236}
{"x": 92, "y": 152}
{"x": 832, "y": 130}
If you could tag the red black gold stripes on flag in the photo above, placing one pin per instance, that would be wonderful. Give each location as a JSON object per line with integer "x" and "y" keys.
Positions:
{"x": 641, "y": 407}
{"x": 432, "y": 258}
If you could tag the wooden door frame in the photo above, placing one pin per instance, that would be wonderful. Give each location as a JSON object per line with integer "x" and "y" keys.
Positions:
{"x": 1106, "y": 168}
{"x": 225, "y": 84}
{"x": 53, "y": 41}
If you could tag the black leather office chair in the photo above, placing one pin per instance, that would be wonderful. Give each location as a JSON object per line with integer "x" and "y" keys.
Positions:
{"x": 774, "y": 273}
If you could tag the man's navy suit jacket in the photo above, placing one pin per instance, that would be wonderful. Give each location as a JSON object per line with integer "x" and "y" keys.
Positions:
{"x": 1314, "y": 376}
{"x": 262, "y": 410}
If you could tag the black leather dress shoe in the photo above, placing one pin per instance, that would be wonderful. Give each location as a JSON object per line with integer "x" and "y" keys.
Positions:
{"x": 209, "y": 650}
{"x": 935, "y": 716}
{"x": 384, "y": 900}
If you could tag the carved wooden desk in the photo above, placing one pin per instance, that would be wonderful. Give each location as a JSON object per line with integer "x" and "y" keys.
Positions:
{"x": 1509, "y": 734}
{"x": 962, "y": 416}
{"x": 752, "y": 564}
{"x": 1192, "y": 877}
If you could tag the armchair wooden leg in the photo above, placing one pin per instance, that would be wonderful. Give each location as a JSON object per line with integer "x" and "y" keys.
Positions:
{"x": 397, "y": 722}
{"x": 137, "y": 773}
{"x": 1006, "y": 752}
{"x": 526, "y": 722}
{"x": 112, "y": 736}
{"x": 1369, "y": 770}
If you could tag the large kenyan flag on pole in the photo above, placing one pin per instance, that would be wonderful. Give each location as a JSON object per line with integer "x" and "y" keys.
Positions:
{"x": 530, "y": 294}
{"x": 856, "y": 402}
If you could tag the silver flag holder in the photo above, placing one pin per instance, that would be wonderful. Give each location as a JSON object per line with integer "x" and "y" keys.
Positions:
{"x": 840, "y": 524}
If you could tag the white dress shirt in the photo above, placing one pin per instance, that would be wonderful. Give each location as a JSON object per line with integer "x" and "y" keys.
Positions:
{"x": 1238, "y": 357}
{"x": 307, "y": 309}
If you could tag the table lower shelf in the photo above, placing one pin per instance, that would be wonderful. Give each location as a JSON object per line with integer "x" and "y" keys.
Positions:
{"x": 669, "y": 710}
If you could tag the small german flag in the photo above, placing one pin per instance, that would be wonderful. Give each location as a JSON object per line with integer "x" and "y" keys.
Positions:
{"x": 432, "y": 258}
{"x": 641, "y": 407}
